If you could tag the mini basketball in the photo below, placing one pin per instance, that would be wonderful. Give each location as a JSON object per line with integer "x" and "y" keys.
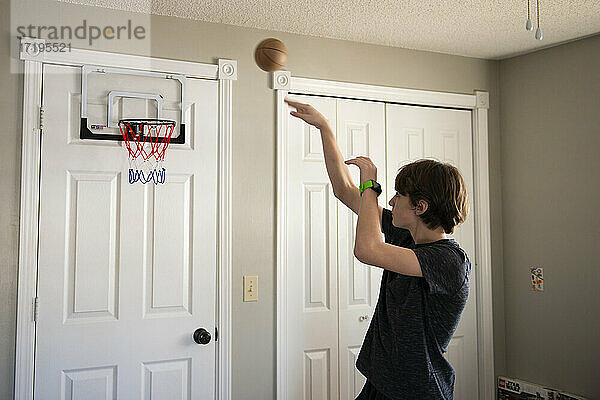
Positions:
{"x": 270, "y": 55}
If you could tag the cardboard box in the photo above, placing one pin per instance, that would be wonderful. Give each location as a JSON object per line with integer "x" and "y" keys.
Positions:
{"x": 514, "y": 389}
{"x": 568, "y": 396}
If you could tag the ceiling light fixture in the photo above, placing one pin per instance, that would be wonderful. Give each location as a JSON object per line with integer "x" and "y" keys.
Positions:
{"x": 538, "y": 32}
{"x": 529, "y": 25}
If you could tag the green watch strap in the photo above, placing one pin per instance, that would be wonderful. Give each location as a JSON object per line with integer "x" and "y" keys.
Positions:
{"x": 363, "y": 186}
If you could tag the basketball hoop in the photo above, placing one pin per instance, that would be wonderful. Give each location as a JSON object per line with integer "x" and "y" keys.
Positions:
{"x": 146, "y": 141}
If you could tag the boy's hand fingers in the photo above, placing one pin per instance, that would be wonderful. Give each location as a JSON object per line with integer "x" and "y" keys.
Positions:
{"x": 297, "y": 114}
{"x": 354, "y": 161}
{"x": 297, "y": 107}
{"x": 294, "y": 102}
{"x": 364, "y": 159}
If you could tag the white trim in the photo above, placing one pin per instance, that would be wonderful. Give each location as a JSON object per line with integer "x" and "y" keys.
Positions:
{"x": 478, "y": 103}
{"x": 281, "y": 80}
{"x": 281, "y": 207}
{"x": 227, "y": 69}
{"x": 30, "y": 167}
{"x": 28, "y": 232}
{"x": 483, "y": 243}
{"x": 225, "y": 274}
{"x": 381, "y": 93}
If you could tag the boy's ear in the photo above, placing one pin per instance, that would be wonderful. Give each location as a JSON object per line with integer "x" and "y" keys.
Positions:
{"x": 422, "y": 206}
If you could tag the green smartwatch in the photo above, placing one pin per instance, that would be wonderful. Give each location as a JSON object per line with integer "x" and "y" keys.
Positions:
{"x": 370, "y": 184}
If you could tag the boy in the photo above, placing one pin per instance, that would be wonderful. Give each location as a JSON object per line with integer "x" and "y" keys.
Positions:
{"x": 425, "y": 283}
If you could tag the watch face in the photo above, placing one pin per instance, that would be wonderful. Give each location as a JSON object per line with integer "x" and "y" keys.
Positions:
{"x": 377, "y": 188}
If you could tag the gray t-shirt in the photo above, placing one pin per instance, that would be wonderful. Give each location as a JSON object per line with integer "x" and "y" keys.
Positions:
{"x": 414, "y": 320}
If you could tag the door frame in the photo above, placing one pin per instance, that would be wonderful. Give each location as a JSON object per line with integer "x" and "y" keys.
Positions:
{"x": 478, "y": 102}
{"x": 27, "y": 302}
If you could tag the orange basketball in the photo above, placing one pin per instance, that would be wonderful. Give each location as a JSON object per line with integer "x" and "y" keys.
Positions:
{"x": 270, "y": 55}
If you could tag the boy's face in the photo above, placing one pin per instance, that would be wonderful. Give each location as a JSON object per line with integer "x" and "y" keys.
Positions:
{"x": 403, "y": 214}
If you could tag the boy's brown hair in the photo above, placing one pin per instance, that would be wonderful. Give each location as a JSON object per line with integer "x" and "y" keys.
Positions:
{"x": 441, "y": 185}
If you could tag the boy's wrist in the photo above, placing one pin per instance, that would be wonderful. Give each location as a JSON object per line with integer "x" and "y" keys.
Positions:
{"x": 370, "y": 184}
{"x": 323, "y": 125}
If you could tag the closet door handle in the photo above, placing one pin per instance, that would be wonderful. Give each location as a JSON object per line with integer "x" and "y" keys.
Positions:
{"x": 363, "y": 318}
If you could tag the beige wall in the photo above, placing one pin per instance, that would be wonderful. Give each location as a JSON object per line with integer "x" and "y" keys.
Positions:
{"x": 254, "y": 161}
{"x": 550, "y": 124}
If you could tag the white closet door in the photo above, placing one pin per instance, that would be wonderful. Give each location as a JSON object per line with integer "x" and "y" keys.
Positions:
{"x": 445, "y": 135}
{"x": 312, "y": 303}
{"x": 360, "y": 132}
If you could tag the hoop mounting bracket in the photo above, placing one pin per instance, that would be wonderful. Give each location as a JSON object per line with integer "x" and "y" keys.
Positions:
{"x": 86, "y": 133}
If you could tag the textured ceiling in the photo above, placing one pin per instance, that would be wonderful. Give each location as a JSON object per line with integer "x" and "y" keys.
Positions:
{"x": 491, "y": 29}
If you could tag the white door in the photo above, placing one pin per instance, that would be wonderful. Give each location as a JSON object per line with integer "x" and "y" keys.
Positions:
{"x": 445, "y": 135}
{"x": 322, "y": 270}
{"x": 127, "y": 273}
{"x": 360, "y": 132}
{"x": 312, "y": 303}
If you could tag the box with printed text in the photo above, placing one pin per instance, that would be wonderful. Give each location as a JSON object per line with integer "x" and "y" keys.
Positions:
{"x": 514, "y": 389}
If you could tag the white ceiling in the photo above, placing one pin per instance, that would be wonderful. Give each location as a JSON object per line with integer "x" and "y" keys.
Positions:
{"x": 490, "y": 29}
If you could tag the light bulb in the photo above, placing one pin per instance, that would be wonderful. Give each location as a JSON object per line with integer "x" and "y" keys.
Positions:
{"x": 538, "y": 34}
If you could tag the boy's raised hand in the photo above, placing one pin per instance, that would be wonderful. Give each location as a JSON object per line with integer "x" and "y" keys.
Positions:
{"x": 368, "y": 170}
{"x": 307, "y": 113}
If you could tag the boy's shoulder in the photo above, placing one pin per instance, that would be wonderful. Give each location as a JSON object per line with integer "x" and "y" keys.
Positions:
{"x": 447, "y": 251}
{"x": 447, "y": 244}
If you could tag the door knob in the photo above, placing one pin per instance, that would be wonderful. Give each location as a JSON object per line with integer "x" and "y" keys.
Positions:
{"x": 363, "y": 318}
{"x": 201, "y": 336}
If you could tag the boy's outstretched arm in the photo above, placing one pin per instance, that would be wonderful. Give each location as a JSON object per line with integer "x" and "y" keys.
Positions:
{"x": 341, "y": 181}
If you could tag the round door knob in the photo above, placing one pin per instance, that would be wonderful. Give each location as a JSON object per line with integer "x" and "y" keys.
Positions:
{"x": 201, "y": 336}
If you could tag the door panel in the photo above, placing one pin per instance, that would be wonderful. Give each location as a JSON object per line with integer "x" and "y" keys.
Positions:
{"x": 312, "y": 305}
{"x": 360, "y": 132}
{"x": 445, "y": 135}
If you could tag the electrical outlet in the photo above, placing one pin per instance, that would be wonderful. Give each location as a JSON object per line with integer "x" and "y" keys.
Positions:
{"x": 537, "y": 278}
{"x": 250, "y": 288}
